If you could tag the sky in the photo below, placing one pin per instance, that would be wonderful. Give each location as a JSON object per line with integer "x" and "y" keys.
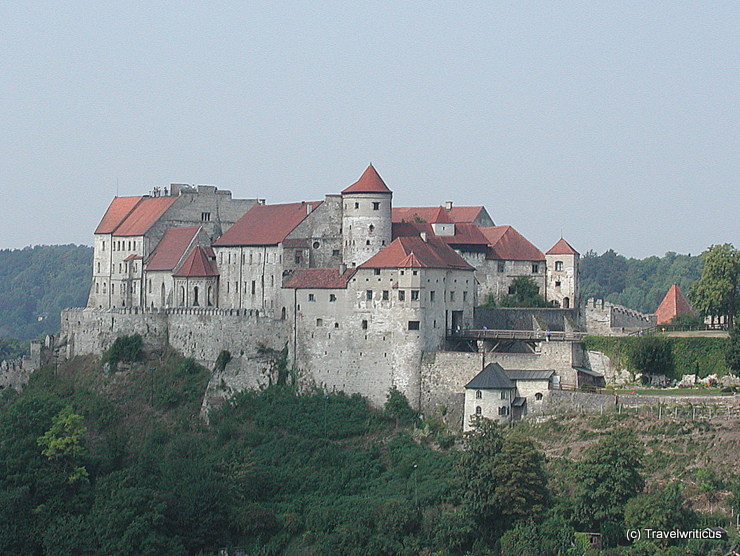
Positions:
{"x": 614, "y": 124}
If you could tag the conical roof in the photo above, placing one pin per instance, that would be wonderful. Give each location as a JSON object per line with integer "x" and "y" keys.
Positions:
{"x": 197, "y": 265}
{"x": 562, "y": 247}
{"x": 369, "y": 182}
{"x": 674, "y": 303}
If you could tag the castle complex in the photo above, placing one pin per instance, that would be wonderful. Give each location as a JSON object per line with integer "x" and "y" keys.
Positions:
{"x": 364, "y": 296}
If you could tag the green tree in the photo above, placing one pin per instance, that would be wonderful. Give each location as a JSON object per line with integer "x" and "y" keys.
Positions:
{"x": 524, "y": 292}
{"x": 732, "y": 352}
{"x": 607, "y": 477}
{"x": 716, "y": 292}
{"x": 663, "y": 510}
{"x": 63, "y": 442}
{"x": 397, "y": 407}
{"x": 652, "y": 355}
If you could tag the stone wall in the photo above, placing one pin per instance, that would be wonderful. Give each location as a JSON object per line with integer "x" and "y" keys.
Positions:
{"x": 556, "y": 320}
{"x": 602, "y": 318}
{"x": 566, "y": 401}
{"x": 444, "y": 375}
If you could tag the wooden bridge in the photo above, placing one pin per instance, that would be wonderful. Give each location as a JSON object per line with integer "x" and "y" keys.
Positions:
{"x": 522, "y": 335}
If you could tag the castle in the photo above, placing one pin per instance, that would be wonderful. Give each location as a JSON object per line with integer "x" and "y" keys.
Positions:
{"x": 364, "y": 296}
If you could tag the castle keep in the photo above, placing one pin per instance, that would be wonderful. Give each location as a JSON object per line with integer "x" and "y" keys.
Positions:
{"x": 364, "y": 296}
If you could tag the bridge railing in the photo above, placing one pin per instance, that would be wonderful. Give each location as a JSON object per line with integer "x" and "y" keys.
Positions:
{"x": 485, "y": 334}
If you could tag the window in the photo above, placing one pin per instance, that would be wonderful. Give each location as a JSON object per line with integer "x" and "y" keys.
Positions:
{"x": 478, "y": 395}
{"x": 205, "y": 216}
{"x": 150, "y": 285}
{"x": 376, "y": 205}
{"x": 504, "y": 394}
{"x": 401, "y": 295}
{"x": 415, "y": 272}
{"x": 254, "y": 287}
{"x": 311, "y": 297}
{"x": 414, "y": 295}
{"x": 367, "y": 242}
{"x": 503, "y": 410}
{"x": 558, "y": 265}
{"x": 364, "y": 325}
{"x": 103, "y": 246}
{"x": 332, "y": 297}
{"x": 376, "y": 271}
{"x": 369, "y": 295}
{"x": 465, "y": 296}
{"x": 97, "y": 287}
{"x": 385, "y": 295}
{"x": 538, "y": 396}
{"x": 123, "y": 287}
{"x": 335, "y": 252}
{"x": 357, "y": 205}
{"x": 319, "y": 322}
{"x": 371, "y": 228}
{"x": 557, "y": 283}
{"x": 511, "y": 290}
{"x": 336, "y": 325}
{"x": 535, "y": 268}
{"x": 316, "y": 245}
{"x": 478, "y": 410}
{"x": 501, "y": 266}
{"x": 413, "y": 325}
{"x": 452, "y": 296}
{"x": 98, "y": 268}
{"x": 431, "y": 296}
{"x": 298, "y": 257}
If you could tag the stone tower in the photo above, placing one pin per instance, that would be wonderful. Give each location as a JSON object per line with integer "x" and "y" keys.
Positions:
{"x": 562, "y": 275}
{"x": 366, "y": 218}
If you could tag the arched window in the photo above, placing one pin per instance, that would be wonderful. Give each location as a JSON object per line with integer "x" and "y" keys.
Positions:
{"x": 104, "y": 287}
{"x": 478, "y": 395}
{"x": 538, "y": 396}
{"x": 210, "y": 296}
{"x": 97, "y": 287}
{"x": 558, "y": 265}
{"x": 566, "y": 303}
{"x": 371, "y": 228}
{"x": 182, "y": 295}
{"x": 112, "y": 289}
{"x": 195, "y": 296}
{"x": 282, "y": 314}
{"x": 162, "y": 296}
{"x": 478, "y": 410}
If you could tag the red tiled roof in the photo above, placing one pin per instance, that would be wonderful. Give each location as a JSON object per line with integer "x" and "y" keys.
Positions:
{"x": 674, "y": 303}
{"x": 265, "y": 224}
{"x": 369, "y": 182}
{"x": 441, "y": 216}
{"x": 117, "y": 212}
{"x": 171, "y": 248}
{"x": 132, "y": 258}
{"x": 405, "y": 252}
{"x": 465, "y": 234}
{"x": 506, "y": 244}
{"x": 197, "y": 265}
{"x": 319, "y": 278}
{"x": 458, "y": 215}
{"x": 562, "y": 247}
{"x": 143, "y": 217}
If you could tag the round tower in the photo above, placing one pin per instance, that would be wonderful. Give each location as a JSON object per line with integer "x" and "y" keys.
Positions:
{"x": 366, "y": 218}
{"x": 562, "y": 275}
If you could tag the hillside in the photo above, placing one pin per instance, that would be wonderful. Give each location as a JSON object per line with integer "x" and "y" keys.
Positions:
{"x": 122, "y": 464}
{"x": 36, "y": 283}
{"x": 639, "y": 284}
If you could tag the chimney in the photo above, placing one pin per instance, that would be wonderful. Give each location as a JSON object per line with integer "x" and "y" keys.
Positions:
{"x": 423, "y": 236}
{"x": 308, "y": 208}
{"x": 448, "y": 205}
{"x": 260, "y": 201}
{"x": 342, "y": 268}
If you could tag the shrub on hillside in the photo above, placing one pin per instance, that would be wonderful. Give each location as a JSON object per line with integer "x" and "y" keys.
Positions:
{"x": 126, "y": 349}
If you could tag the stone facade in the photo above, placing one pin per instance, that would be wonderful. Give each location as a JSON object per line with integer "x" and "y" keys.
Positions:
{"x": 602, "y": 318}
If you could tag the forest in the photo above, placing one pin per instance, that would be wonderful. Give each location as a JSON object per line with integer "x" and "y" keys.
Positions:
{"x": 36, "y": 283}
{"x": 101, "y": 462}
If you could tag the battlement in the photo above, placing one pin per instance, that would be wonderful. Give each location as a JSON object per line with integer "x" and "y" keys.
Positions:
{"x": 604, "y": 318}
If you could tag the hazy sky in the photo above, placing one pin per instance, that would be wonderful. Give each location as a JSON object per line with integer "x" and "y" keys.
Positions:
{"x": 616, "y": 122}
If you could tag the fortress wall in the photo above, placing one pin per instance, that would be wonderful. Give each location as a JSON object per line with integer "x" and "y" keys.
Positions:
{"x": 607, "y": 319}
{"x": 444, "y": 375}
{"x": 522, "y": 319}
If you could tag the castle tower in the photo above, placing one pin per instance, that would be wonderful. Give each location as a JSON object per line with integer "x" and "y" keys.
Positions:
{"x": 562, "y": 275}
{"x": 366, "y": 218}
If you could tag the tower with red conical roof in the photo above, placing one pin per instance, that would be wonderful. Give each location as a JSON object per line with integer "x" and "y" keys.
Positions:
{"x": 366, "y": 217}
{"x": 562, "y": 275}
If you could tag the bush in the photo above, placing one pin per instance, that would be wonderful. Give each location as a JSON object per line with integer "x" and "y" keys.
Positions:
{"x": 125, "y": 349}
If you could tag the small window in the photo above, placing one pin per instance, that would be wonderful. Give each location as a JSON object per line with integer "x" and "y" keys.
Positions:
{"x": 452, "y": 296}
{"x": 501, "y": 266}
{"x": 103, "y": 246}
{"x": 316, "y": 245}
{"x": 319, "y": 322}
{"x": 538, "y": 396}
{"x": 335, "y": 252}
{"x": 504, "y": 395}
{"x": 376, "y": 205}
{"x": 336, "y": 325}
{"x": 413, "y": 325}
{"x": 478, "y": 395}
{"x": 535, "y": 269}
{"x": 465, "y": 296}
{"x": 371, "y": 228}
{"x": 385, "y": 295}
{"x": 503, "y": 410}
{"x": 558, "y": 265}
{"x": 367, "y": 242}
{"x": 414, "y": 295}
{"x": 431, "y": 296}
{"x": 369, "y": 295}
{"x": 311, "y": 297}
{"x": 332, "y": 297}
{"x": 376, "y": 271}
{"x": 364, "y": 325}
{"x": 511, "y": 290}
{"x": 98, "y": 268}
{"x": 357, "y": 205}
{"x": 415, "y": 272}
{"x": 298, "y": 257}
{"x": 401, "y": 295}
{"x": 557, "y": 283}
{"x": 254, "y": 287}
{"x": 205, "y": 216}
{"x": 478, "y": 410}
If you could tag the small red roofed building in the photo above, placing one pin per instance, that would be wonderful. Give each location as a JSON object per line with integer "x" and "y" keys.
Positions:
{"x": 674, "y": 303}
{"x": 563, "y": 275}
